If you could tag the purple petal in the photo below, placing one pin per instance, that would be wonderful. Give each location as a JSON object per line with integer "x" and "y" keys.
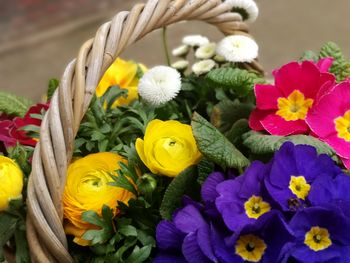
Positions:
{"x": 305, "y": 255}
{"x": 326, "y": 189}
{"x": 189, "y": 219}
{"x": 222, "y": 252}
{"x": 169, "y": 258}
{"x": 192, "y": 251}
{"x": 203, "y": 239}
{"x": 208, "y": 191}
{"x": 168, "y": 236}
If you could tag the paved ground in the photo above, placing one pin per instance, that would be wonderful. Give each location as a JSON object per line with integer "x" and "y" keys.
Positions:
{"x": 283, "y": 30}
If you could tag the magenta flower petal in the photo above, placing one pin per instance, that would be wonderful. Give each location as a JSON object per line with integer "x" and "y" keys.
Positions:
{"x": 321, "y": 118}
{"x": 310, "y": 80}
{"x": 325, "y": 64}
{"x": 285, "y": 78}
{"x": 255, "y": 119}
{"x": 346, "y": 163}
{"x": 267, "y": 96}
{"x": 276, "y": 125}
{"x": 341, "y": 146}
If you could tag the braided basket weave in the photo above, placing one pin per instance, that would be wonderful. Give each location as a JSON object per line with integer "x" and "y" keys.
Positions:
{"x": 45, "y": 233}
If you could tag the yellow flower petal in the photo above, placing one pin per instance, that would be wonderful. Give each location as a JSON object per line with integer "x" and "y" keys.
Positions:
{"x": 87, "y": 187}
{"x": 168, "y": 147}
{"x": 123, "y": 74}
{"x": 11, "y": 178}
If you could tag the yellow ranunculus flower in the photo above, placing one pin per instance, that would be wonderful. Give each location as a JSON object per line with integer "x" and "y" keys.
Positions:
{"x": 11, "y": 182}
{"x": 168, "y": 147}
{"x": 87, "y": 189}
{"x": 123, "y": 74}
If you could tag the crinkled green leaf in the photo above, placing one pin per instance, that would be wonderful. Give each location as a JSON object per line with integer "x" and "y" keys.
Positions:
{"x": 205, "y": 167}
{"x": 239, "y": 80}
{"x": 341, "y": 66}
{"x": 309, "y": 55}
{"x": 261, "y": 144}
{"x": 176, "y": 189}
{"x": 215, "y": 146}
{"x": 14, "y": 105}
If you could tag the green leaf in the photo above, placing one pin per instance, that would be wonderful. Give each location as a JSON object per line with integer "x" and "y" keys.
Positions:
{"x": 237, "y": 130}
{"x": 22, "y": 249}
{"x": 105, "y": 224}
{"x": 139, "y": 255}
{"x": 53, "y": 85}
{"x": 239, "y": 80}
{"x": 215, "y": 146}
{"x": 128, "y": 230}
{"x": 123, "y": 182}
{"x": 14, "y": 105}
{"x": 309, "y": 55}
{"x": 261, "y": 144}
{"x": 8, "y": 224}
{"x": 205, "y": 167}
{"x": 227, "y": 112}
{"x": 181, "y": 184}
{"x": 112, "y": 94}
{"x": 341, "y": 66}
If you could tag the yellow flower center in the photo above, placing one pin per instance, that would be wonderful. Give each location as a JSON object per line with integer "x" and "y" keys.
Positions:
{"x": 256, "y": 207}
{"x": 295, "y": 107}
{"x": 317, "y": 238}
{"x": 250, "y": 248}
{"x": 342, "y": 126}
{"x": 299, "y": 186}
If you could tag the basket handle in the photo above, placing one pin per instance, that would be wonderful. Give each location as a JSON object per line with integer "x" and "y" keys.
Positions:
{"x": 45, "y": 233}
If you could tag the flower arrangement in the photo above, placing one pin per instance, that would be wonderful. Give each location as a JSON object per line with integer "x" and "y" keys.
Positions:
{"x": 203, "y": 161}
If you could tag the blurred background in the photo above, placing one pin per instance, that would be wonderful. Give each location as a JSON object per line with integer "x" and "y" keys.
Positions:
{"x": 39, "y": 37}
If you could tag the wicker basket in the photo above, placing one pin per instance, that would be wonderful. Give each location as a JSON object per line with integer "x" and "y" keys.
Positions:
{"x": 45, "y": 233}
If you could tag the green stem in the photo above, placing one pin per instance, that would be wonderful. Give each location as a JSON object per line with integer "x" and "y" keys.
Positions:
{"x": 165, "y": 44}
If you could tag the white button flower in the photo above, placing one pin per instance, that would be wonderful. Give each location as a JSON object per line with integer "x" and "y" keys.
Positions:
{"x": 203, "y": 66}
{"x": 247, "y": 8}
{"x": 160, "y": 85}
{"x": 181, "y": 51}
{"x": 206, "y": 51}
{"x": 238, "y": 49}
{"x": 195, "y": 40}
{"x": 180, "y": 65}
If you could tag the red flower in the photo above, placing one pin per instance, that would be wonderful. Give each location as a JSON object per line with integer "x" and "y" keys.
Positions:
{"x": 281, "y": 108}
{"x": 11, "y": 129}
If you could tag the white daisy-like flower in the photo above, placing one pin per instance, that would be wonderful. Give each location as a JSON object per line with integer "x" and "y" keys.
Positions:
{"x": 203, "y": 66}
{"x": 181, "y": 51}
{"x": 206, "y": 51}
{"x": 247, "y": 8}
{"x": 180, "y": 65}
{"x": 238, "y": 49}
{"x": 160, "y": 85}
{"x": 195, "y": 40}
